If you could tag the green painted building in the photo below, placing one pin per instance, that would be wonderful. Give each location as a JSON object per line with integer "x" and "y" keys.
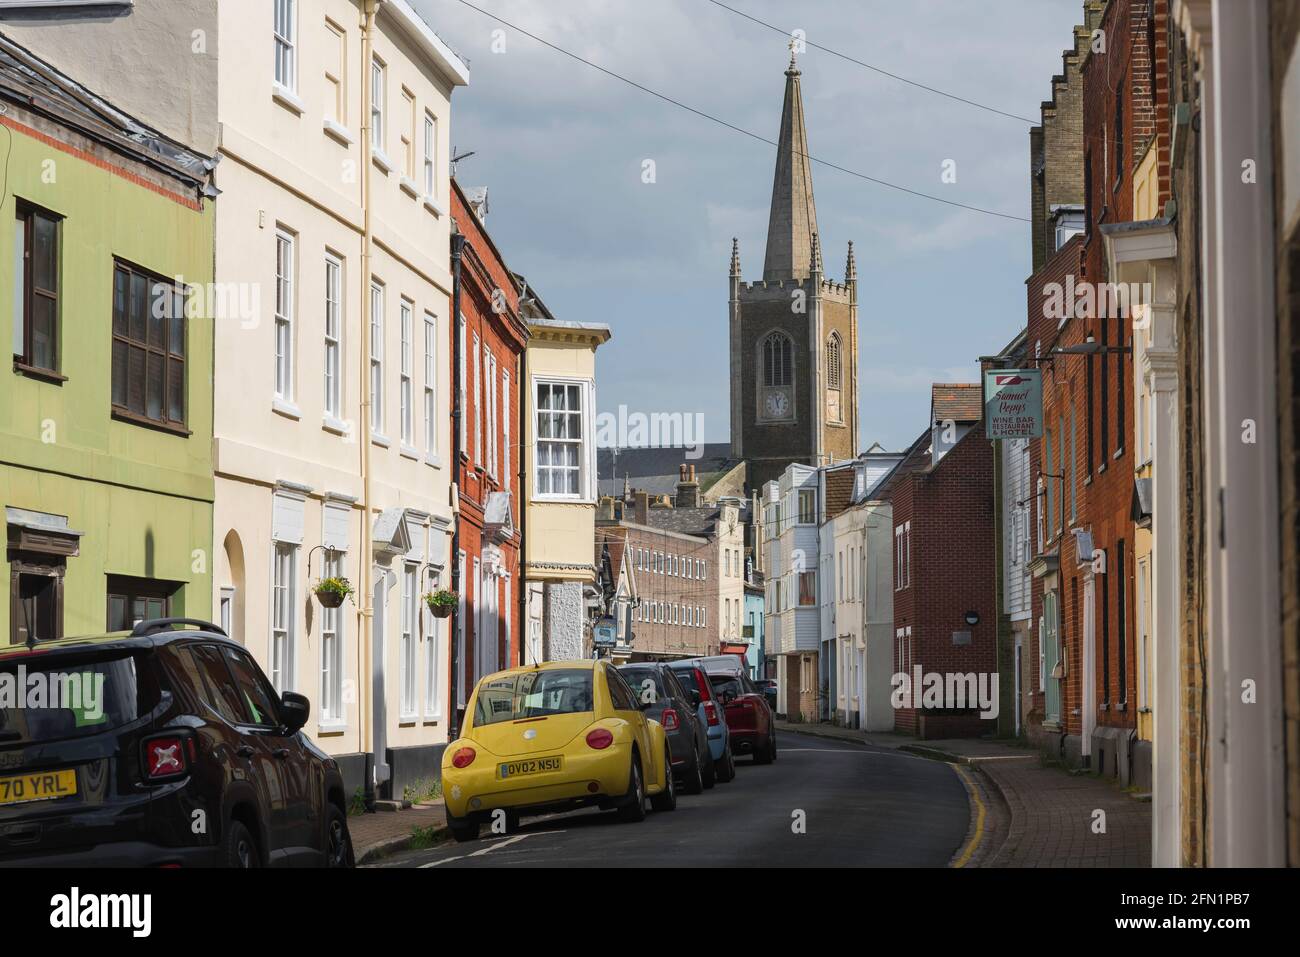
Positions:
{"x": 106, "y": 412}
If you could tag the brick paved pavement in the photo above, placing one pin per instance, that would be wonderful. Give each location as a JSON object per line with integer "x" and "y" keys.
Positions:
{"x": 1054, "y": 820}
{"x": 386, "y": 832}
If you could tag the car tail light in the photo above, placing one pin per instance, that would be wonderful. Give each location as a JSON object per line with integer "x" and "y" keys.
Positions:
{"x": 711, "y": 713}
{"x": 669, "y": 720}
{"x": 463, "y": 757}
{"x": 165, "y": 756}
{"x": 600, "y": 739}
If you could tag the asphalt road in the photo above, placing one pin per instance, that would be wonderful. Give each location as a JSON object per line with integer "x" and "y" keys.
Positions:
{"x": 862, "y": 806}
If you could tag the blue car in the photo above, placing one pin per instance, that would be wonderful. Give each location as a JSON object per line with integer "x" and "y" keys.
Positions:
{"x": 712, "y": 716}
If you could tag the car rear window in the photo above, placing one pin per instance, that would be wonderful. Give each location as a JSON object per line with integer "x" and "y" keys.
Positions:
{"x": 692, "y": 677}
{"x": 533, "y": 694}
{"x": 55, "y": 701}
{"x": 646, "y": 683}
{"x": 727, "y": 685}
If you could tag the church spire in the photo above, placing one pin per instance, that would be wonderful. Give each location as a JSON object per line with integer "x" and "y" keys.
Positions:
{"x": 793, "y": 220}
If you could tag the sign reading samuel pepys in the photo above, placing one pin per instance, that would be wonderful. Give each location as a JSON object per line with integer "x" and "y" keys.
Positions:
{"x": 1013, "y": 404}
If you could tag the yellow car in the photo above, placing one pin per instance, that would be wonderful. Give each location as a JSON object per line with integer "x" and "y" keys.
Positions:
{"x": 554, "y": 737}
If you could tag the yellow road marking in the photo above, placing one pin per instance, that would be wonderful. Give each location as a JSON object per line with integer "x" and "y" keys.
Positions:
{"x": 965, "y": 857}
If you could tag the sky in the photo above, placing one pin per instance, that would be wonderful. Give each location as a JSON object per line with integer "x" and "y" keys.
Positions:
{"x": 562, "y": 147}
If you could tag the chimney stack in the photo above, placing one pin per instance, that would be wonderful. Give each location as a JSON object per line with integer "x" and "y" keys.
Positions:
{"x": 641, "y": 507}
{"x": 688, "y": 488}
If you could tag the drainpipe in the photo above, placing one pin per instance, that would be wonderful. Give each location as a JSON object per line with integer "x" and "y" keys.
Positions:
{"x": 366, "y": 728}
{"x": 523, "y": 501}
{"x": 457, "y": 251}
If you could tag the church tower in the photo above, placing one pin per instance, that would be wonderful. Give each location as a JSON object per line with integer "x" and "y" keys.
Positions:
{"x": 794, "y": 342}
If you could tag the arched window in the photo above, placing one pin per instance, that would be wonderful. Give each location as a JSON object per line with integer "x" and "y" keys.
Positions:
{"x": 778, "y": 360}
{"x": 833, "y": 361}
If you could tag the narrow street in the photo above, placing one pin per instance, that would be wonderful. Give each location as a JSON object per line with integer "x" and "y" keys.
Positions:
{"x": 864, "y": 807}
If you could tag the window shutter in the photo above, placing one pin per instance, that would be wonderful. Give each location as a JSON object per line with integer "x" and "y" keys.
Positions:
{"x": 334, "y": 532}
{"x": 287, "y": 518}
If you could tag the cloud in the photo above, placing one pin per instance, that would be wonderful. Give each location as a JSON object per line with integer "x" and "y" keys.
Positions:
{"x": 561, "y": 148}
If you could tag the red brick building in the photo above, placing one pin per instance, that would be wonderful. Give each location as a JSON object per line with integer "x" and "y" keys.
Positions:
{"x": 945, "y": 612}
{"x": 492, "y": 339}
{"x": 1081, "y": 334}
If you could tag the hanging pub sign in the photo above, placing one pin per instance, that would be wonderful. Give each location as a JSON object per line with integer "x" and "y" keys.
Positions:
{"x": 605, "y": 632}
{"x": 1013, "y": 403}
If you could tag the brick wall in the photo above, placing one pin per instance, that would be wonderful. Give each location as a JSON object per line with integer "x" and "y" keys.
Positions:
{"x": 1284, "y": 30}
{"x": 1063, "y": 390}
{"x": 1056, "y": 149}
{"x": 1110, "y": 81}
{"x": 489, "y": 303}
{"x": 953, "y": 562}
{"x": 678, "y": 614}
{"x": 1193, "y": 631}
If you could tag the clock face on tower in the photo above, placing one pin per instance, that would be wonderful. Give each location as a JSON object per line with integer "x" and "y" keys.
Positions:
{"x": 777, "y": 405}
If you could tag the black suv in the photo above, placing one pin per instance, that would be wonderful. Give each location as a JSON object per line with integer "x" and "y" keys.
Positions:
{"x": 168, "y": 747}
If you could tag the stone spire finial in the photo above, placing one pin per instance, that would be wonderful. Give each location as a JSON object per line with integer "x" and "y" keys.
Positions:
{"x": 735, "y": 256}
{"x": 851, "y": 266}
{"x": 815, "y": 256}
{"x": 793, "y": 216}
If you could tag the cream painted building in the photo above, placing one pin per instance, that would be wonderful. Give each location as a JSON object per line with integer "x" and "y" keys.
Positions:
{"x": 560, "y": 463}
{"x": 861, "y": 539}
{"x": 332, "y": 396}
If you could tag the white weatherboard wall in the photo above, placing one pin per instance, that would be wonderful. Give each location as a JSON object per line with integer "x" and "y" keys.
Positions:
{"x": 878, "y": 614}
{"x": 1017, "y": 500}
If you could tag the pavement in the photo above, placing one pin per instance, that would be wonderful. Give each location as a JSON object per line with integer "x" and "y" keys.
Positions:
{"x": 382, "y": 833}
{"x": 1034, "y": 814}
{"x": 822, "y": 804}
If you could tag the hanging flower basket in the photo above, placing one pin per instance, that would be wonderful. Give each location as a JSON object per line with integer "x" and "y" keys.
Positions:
{"x": 442, "y": 603}
{"x": 330, "y": 592}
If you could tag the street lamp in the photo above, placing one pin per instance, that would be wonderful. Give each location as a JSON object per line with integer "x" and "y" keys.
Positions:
{"x": 1089, "y": 347}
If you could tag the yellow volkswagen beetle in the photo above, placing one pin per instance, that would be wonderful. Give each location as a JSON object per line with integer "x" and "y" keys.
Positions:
{"x": 554, "y": 737}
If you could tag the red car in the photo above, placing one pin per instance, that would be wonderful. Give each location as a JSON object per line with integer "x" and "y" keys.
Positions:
{"x": 749, "y": 717}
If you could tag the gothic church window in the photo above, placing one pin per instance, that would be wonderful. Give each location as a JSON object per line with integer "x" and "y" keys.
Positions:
{"x": 833, "y": 361}
{"x": 778, "y": 360}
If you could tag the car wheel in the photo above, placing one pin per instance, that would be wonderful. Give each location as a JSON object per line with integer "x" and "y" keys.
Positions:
{"x": 240, "y": 848}
{"x": 633, "y": 808}
{"x": 695, "y": 780}
{"x": 666, "y": 800}
{"x": 763, "y": 755}
{"x": 728, "y": 770}
{"x": 462, "y": 828}
{"x": 338, "y": 847}
{"x": 773, "y": 751}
